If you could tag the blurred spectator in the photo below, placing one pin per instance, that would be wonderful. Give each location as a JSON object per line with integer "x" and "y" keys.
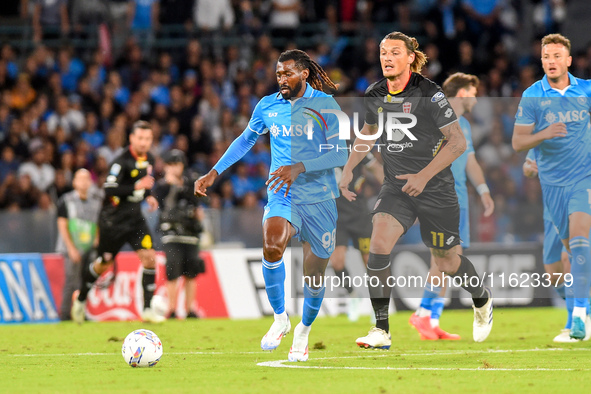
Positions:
{"x": 70, "y": 68}
{"x": 18, "y": 192}
{"x": 40, "y": 172}
{"x": 176, "y": 12}
{"x": 143, "y": 20}
{"x": 23, "y": 94}
{"x": 16, "y": 139}
{"x": 114, "y": 147}
{"x": 496, "y": 151}
{"x": 211, "y": 15}
{"x": 69, "y": 119}
{"x": 8, "y": 163}
{"x": 284, "y": 18}
{"x": 89, "y": 14}
{"x": 50, "y": 19}
{"x": 92, "y": 135}
{"x": 14, "y": 9}
{"x": 548, "y": 16}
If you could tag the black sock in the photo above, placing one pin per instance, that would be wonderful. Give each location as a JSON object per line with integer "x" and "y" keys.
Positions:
{"x": 345, "y": 279}
{"x": 473, "y": 286}
{"x": 89, "y": 276}
{"x": 380, "y": 308}
{"x": 148, "y": 279}
{"x": 378, "y": 270}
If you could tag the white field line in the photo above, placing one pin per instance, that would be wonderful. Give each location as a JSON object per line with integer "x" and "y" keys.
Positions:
{"x": 280, "y": 364}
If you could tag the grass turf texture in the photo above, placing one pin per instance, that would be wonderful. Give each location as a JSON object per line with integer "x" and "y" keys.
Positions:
{"x": 222, "y": 356}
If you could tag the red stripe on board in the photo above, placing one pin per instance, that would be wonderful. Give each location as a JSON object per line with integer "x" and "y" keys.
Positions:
{"x": 56, "y": 274}
{"x": 210, "y": 298}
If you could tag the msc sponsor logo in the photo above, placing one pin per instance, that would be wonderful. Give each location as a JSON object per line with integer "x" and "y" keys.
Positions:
{"x": 568, "y": 116}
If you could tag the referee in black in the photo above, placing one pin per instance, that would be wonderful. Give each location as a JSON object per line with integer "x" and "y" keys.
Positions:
{"x": 121, "y": 220}
{"x": 417, "y": 152}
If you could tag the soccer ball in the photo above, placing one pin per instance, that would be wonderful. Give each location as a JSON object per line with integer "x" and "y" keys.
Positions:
{"x": 142, "y": 348}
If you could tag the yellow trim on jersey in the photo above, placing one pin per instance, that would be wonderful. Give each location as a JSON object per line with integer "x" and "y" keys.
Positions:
{"x": 439, "y": 146}
{"x": 396, "y": 92}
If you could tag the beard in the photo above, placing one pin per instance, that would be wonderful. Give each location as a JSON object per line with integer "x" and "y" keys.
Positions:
{"x": 290, "y": 94}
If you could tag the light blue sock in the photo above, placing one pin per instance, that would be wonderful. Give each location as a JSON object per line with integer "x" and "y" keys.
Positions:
{"x": 274, "y": 274}
{"x": 561, "y": 290}
{"x": 429, "y": 294}
{"x": 312, "y": 302}
{"x": 570, "y": 304}
{"x": 437, "y": 307}
{"x": 581, "y": 270}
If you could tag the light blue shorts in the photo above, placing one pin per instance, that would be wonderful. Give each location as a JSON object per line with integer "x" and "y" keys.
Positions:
{"x": 465, "y": 227}
{"x": 314, "y": 223}
{"x": 553, "y": 246}
{"x": 562, "y": 201}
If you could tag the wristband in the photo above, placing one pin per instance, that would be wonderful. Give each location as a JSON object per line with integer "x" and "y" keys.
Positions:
{"x": 482, "y": 188}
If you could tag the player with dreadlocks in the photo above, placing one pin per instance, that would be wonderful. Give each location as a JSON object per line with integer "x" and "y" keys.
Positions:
{"x": 302, "y": 187}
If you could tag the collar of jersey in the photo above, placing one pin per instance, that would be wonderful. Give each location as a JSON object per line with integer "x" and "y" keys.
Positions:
{"x": 307, "y": 93}
{"x": 546, "y": 84}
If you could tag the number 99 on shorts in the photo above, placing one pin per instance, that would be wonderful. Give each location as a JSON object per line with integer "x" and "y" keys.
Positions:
{"x": 328, "y": 240}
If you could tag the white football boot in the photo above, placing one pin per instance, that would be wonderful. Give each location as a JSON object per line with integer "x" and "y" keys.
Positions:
{"x": 78, "y": 311}
{"x": 280, "y": 328}
{"x": 376, "y": 338}
{"x": 483, "y": 319}
{"x": 149, "y": 315}
{"x": 299, "y": 348}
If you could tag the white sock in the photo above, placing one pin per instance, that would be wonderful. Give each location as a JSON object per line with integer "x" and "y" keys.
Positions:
{"x": 303, "y": 329}
{"x": 580, "y": 311}
{"x": 434, "y": 323}
{"x": 282, "y": 317}
{"x": 422, "y": 312}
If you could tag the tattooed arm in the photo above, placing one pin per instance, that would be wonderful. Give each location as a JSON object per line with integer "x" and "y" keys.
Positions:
{"x": 456, "y": 145}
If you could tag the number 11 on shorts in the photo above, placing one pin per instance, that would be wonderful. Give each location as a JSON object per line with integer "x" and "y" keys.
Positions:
{"x": 436, "y": 235}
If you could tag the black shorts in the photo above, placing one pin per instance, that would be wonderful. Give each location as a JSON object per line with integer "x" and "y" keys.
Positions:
{"x": 438, "y": 213}
{"x": 357, "y": 229}
{"x": 182, "y": 260}
{"x": 112, "y": 237}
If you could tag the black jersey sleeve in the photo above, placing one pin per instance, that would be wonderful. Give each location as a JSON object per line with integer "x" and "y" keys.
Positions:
{"x": 62, "y": 210}
{"x": 370, "y": 116}
{"x": 438, "y": 106}
{"x": 115, "y": 185}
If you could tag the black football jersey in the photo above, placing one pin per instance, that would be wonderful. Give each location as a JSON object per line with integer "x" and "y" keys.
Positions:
{"x": 122, "y": 201}
{"x": 422, "y": 110}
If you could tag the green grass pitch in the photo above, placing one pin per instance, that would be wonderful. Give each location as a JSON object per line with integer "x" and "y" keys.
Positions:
{"x": 224, "y": 356}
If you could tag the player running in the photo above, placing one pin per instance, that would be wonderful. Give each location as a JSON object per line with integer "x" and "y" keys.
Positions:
{"x": 556, "y": 262}
{"x": 302, "y": 188}
{"x": 354, "y": 225}
{"x": 121, "y": 220}
{"x": 553, "y": 118}
{"x": 460, "y": 89}
{"x": 418, "y": 181}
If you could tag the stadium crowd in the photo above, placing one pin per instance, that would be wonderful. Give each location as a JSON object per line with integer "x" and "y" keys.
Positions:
{"x": 67, "y": 107}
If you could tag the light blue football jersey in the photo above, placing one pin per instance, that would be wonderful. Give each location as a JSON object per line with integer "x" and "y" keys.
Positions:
{"x": 458, "y": 166}
{"x": 288, "y": 122}
{"x": 531, "y": 154}
{"x": 561, "y": 161}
